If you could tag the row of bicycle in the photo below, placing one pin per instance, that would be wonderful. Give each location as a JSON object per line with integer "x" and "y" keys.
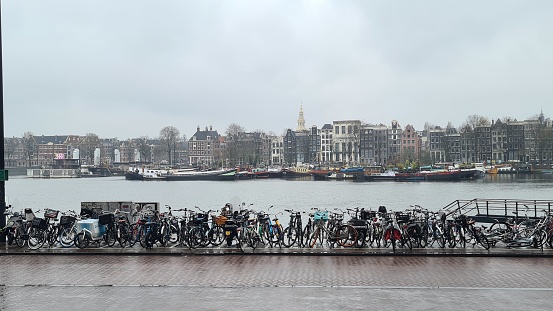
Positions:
{"x": 245, "y": 228}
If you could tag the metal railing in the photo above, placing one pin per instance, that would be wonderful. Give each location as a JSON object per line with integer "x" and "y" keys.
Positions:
{"x": 488, "y": 210}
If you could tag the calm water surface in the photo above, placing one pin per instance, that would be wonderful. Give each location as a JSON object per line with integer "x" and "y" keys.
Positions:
{"x": 66, "y": 194}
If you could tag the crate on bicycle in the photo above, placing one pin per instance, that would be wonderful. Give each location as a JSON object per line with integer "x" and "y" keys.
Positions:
{"x": 39, "y": 223}
{"x": 66, "y": 220}
{"x": 106, "y": 219}
{"x": 320, "y": 215}
{"x": 50, "y": 213}
{"x": 92, "y": 226}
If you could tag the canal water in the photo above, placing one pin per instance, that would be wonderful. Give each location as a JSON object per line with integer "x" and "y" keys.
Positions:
{"x": 301, "y": 195}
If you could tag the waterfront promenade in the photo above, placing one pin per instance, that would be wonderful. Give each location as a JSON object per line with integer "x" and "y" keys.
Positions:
{"x": 272, "y": 279}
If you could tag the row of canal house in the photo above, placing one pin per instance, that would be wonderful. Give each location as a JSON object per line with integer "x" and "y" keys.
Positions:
{"x": 341, "y": 142}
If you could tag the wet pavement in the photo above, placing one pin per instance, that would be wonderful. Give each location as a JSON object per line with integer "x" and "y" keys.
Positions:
{"x": 287, "y": 281}
{"x": 175, "y": 250}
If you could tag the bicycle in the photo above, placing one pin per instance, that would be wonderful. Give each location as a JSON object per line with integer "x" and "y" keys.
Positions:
{"x": 96, "y": 230}
{"x": 394, "y": 234}
{"x": 360, "y": 225}
{"x": 294, "y": 232}
{"x": 68, "y": 229}
{"x": 197, "y": 235}
{"x": 343, "y": 235}
{"x": 13, "y": 225}
{"x": 123, "y": 232}
{"x": 477, "y": 234}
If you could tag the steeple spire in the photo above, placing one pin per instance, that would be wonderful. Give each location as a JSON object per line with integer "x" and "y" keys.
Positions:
{"x": 301, "y": 120}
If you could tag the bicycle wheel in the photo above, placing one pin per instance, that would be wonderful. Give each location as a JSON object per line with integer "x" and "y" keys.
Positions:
{"x": 276, "y": 236}
{"x": 122, "y": 235}
{"x": 67, "y": 236}
{"x": 142, "y": 238}
{"x": 183, "y": 237}
{"x": 149, "y": 239}
{"x": 360, "y": 242}
{"x": 407, "y": 242}
{"x": 377, "y": 237}
{"x": 313, "y": 238}
{"x": 109, "y": 236}
{"x": 240, "y": 240}
{"x": 195, "y": 237}
{"x": 216, "y": 235}
{"x": 82, "y": 240}
{"x": 440, "y": 238}
{"x": 501, "y": 231}
{"x": 134, "y": 234}
{"x": 413, "y": 234}
{"x": 462, "y": 238}
{"x": 19, "y": 240}
{"x": 10, "y": 236}
{"x": 482, "y": 240}
{"x": 540, "y": 238}
{"x": 252, "y": 238}
{"x": 37, "y": 237}
{"x": 173, "y": 234}
{"x": 306, "y": 236}
{"x": 290, "y": 237}
{"x": 451, "y": 240}
{"x": 164, "y": 234}
{"x": 346, "y": 235}
{"x": 424, "y": 237}
{"x": 52, "y": 236}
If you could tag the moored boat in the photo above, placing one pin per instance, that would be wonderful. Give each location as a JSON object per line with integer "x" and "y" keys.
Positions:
{"x": 388, "y": 175}
{"x": 198, "y": 175}
{"x": 442, "y": 175}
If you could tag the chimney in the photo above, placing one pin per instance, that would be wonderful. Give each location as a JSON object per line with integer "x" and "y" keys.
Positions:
{"x": 198, "y": 128}
{"x": 210, "y": 128}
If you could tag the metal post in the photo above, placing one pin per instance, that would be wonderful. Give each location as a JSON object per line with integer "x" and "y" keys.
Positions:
{"x": 2, "y": 164}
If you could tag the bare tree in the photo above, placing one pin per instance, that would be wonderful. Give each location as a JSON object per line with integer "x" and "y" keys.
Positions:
{"x": 235, "y": 135}
{"x": 169, "y": 137}
{"x": 28, "y": 141}
{"x": 129, "y": 150}
{"x": 87, "y": 145}
{"x": 469, "y": 128}
{"x": 10, "y": 145}
{"x": 144, "y": 149}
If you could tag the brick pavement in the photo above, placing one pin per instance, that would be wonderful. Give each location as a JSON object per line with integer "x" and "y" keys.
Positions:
{"x": 261, "y": 271}
{"x": 245, "y": 282}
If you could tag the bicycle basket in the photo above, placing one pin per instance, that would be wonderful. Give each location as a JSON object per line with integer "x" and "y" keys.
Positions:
{"x": 39, "y": 223}
{"x": 402, "y": 217}
{"x": 320, "y": 215}
{"x": 106, "y": 219}
{"x": 50, "y": 213}
{"x": 67, "y": 220}
{"x": 357, "y": 223}
{"x": 220, "y": 220}
{"x": 368, "y": 215}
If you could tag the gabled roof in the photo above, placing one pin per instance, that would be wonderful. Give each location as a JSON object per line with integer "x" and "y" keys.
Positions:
{"x": 202, "y": 135}
{"x": 56, "y": 140}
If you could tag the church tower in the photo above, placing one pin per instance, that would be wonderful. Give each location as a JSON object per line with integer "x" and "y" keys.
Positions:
{"x": 301, "y": 120}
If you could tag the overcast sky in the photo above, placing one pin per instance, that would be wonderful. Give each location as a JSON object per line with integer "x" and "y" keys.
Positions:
{"x": 126, "y": 69}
